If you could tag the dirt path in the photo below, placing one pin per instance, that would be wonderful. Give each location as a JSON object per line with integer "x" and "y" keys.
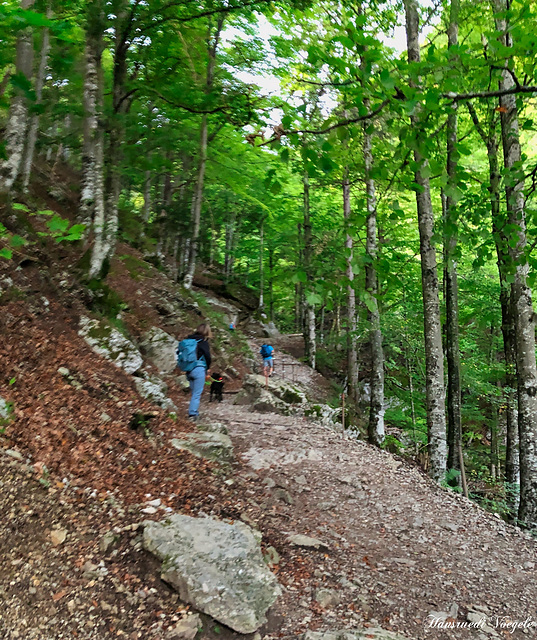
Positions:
{"x": 399, "y": 547}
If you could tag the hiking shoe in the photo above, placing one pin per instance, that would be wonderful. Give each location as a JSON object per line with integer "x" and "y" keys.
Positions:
{"x": 193, "y": 418}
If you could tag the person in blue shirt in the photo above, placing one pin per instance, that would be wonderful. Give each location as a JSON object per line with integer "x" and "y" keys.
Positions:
{"x": 267, "y": 353}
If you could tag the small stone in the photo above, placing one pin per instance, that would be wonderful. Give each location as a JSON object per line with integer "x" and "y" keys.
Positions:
{"x": 327, "y": 598}
{"x": 185, "y": 629}
{"x": 284, "y": 495}
{"x": 299, "y": 540}
{"x": 57, "y": 536}
{"x": 12, "y": 453}
{"x": 149, "y": 511}
{"x": 105, "y": 417}
{"x": 271, "y": 556}
{"x": 64, "y": 371}
{"x": 107, "y": 541}
{"x": 301, "y": 480}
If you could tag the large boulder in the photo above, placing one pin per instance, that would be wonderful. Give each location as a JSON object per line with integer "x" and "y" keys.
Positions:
{"x": 216, "y": 567}
{"x": 213, "y": 446}
{"x": 160, "y": 348}
{"x": 371, "y": 633}
{"x": 277, "y": 397}
{"x": 109, "y": 343}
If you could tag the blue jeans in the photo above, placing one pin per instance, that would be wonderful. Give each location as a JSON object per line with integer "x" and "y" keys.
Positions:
{"x": 196, "y": 378}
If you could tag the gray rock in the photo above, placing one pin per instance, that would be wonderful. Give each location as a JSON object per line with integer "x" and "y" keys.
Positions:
{"x": 183, "y": 382}
{"x": 209, "y": 445}
{"x": 109, "y": 343}
{"x": 185, "y": 629}
{"x": 327, "y": 597}
{"x": 215, "y": 566}
{"x": 213, "y": 427}
{"x": 160, "y": 347}
{"x": 153, "y": 389}
{"x": 13, "y": 453}
{"x": 270, "y": 330}
{"x": 4, "y": 409}
{"x": 108, "y": 540}
{"x": 299, "y": 540}
{"x": 371, "y": 633}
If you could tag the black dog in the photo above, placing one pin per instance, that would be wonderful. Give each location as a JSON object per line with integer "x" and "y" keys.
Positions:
{"x": 217, "y": 385}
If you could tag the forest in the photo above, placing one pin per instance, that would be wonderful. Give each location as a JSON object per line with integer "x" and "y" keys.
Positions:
{"x": 366, "y": 169}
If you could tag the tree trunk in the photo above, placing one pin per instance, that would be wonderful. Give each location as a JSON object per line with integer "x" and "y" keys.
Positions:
{"x": 17, "y": 123}
{"x": 376, "y": 410}
{"x": 261, "y": 264}
{"x": 436, "y": 416}
{"x": 521, "y": 293}
{"x": 230, "y": 243}
{"x": 352, "y": 353}
{"x": 92, "y": 200}
{"x": 451, "y": 290}
{"x": 147, "y": 196}
{"x": 309, "y": 307}
{"x": 198, "y": 189}
{"x": 34, "y": 122}
{"x": 271, "y": 283}
{"x": 512, "y": 454}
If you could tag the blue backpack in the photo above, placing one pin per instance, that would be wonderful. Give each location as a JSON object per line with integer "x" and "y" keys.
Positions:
{"x": 266, "y": 351}
{"x": 187, "y": 355}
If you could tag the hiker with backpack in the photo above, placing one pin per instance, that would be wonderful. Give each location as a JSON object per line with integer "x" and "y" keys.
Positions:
{"x": 267, "y": 353}
{"x": 194, "y": 358}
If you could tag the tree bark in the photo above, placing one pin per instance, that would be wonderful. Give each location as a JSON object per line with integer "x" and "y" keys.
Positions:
{"x": 92, "y": 200}
{"x": 17, "y": 123}
{"x": 512, "y": 453}
{"x": 212, "y": 45}
{"x": 309, "y": 307}
{"x": 451, "y": 289}
{"x": 34, "y": 122}
{"x": 434, "y": 364}
{"x": 376, "y": 410}
{"x": 521, "y": 293}
{"x": 261, "y": 265}
{"x": 352, "y": 353}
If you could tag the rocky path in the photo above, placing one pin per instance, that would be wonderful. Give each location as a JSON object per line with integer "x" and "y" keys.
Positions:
{"x": 396, "y": 549}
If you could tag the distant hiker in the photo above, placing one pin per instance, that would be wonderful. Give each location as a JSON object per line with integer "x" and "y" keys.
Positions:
{"x": 232, "y": 326}
{"x": 217, "y": 386}
{"x": 194, "y": 358}
{"x": 267, "y": 353}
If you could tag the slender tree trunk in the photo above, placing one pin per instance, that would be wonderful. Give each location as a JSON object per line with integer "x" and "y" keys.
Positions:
{"x": 376, "y": 411}
{"x": 34, "y": 122}
{"x": 271, "y": 283}
{"x": 309, "y": 325}
{"x": 197, "y": 200}
{"x": 512, "y": 453}
{"x": 92, "y": 200}
{"x": 450, "y": 270}
{"x": 17, "y": 123}
{"x": 299, "y": 286}
{"x": 436, "y": 409}
{"x": 147, "y": 196}
{"x": 521, "y": 293}
{"x": 352, "y": 353}
{"x": 230, "y": 242}
{"x": 261, "y": 265}
{"x": 212, "y": 45}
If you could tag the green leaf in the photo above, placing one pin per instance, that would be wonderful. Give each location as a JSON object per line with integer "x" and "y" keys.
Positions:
{"x": 58, "y": 224}
{"x": 20, "y": 207}
{"x": 17, "y": 241}
{"x": 6, "y": 253}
